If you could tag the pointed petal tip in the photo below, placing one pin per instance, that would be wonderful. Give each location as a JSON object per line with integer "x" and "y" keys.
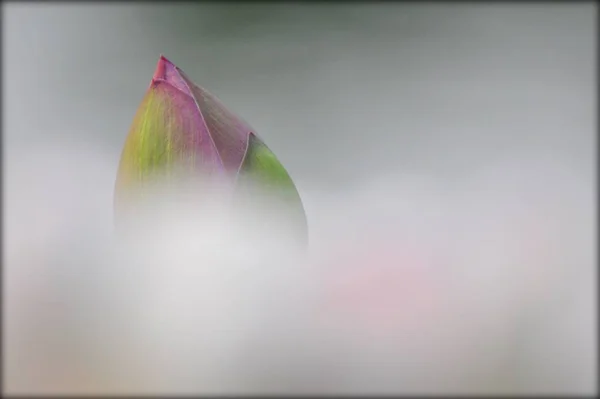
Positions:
{"x": 160, "y": 73}
{"x": 164, "y": 59}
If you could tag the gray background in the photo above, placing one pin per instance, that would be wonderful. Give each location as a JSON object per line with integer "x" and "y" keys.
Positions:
{"x": 338, "y": 91}
{"x": 389, "y": 117}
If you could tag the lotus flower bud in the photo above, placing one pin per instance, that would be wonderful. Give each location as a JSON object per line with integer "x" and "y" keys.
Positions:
{"x": 182, "y": 132}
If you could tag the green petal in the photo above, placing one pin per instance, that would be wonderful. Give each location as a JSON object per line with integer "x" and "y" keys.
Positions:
{"x": 262, "y": 171}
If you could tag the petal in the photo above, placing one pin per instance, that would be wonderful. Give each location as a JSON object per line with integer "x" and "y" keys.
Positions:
{"x": 228, "y": 131}
{"x": 261, "y": 170}
{"x": 164, "y": 137}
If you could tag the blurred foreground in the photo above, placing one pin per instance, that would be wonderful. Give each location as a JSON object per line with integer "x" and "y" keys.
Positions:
{"x": 410, "y": 285}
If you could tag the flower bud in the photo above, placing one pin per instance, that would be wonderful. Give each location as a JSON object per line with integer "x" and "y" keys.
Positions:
{"x": 183, "y": 133}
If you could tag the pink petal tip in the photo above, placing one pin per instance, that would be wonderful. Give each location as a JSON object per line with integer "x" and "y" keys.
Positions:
{"x": 160, "y": 73}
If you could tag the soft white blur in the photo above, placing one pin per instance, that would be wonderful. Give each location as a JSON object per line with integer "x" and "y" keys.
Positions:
{"x": 445, "y": 154}
{"x": 409, "y": 286}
